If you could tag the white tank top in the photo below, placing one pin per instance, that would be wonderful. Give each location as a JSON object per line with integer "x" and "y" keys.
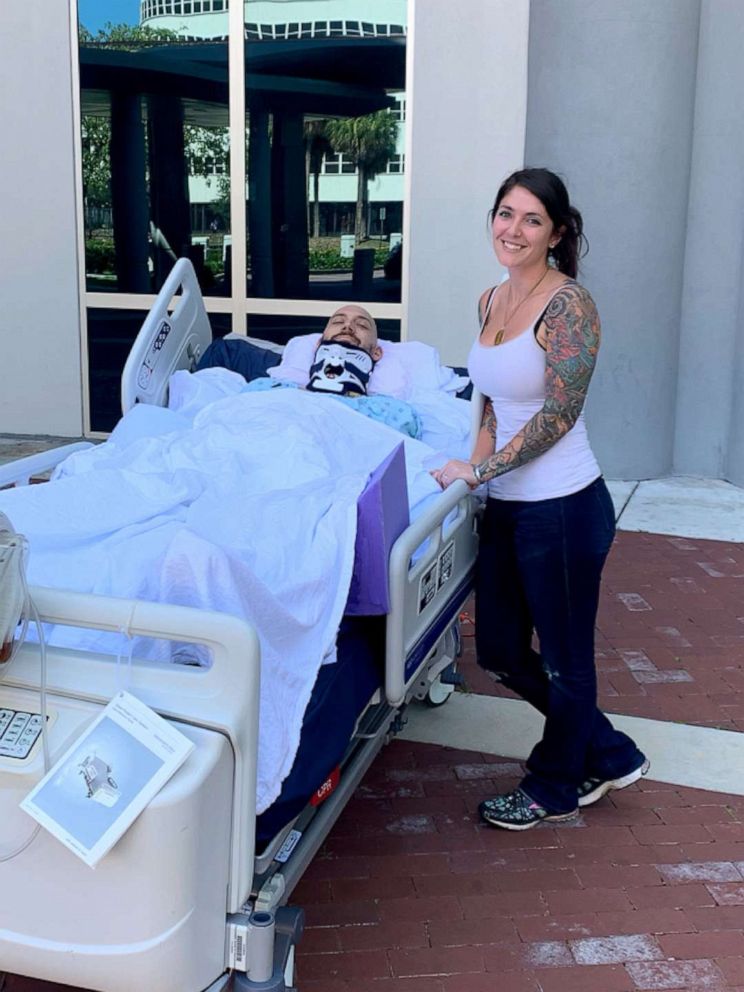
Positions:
{"x": 512, "y": 376}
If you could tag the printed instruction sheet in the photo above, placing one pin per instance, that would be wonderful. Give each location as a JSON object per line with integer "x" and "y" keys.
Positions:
{"x": 93, "y": 794}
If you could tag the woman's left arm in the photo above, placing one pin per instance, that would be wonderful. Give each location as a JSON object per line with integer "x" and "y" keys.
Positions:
{"x": 571, "y": 345}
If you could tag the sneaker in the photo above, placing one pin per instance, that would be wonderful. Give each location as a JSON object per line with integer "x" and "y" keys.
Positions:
{"x": 592, "y": 789}
{"x": 516, "y": 811}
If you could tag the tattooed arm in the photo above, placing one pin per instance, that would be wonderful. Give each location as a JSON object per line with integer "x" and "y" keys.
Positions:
{"x": 572, "y": 342}
{"x": 485, "y": 444}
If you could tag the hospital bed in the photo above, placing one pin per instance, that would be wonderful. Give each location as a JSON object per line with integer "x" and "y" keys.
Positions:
{"x": 195, "y": 895}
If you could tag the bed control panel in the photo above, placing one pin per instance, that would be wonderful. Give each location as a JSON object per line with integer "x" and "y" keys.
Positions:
{"x": 148, "y": 365}
{"x": 19, "y": 731}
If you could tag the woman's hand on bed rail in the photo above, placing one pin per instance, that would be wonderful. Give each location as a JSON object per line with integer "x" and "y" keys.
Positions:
{"x": 454, "y": 470}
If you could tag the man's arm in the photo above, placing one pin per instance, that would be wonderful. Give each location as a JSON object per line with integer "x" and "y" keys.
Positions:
{"x": 573, "y": 334}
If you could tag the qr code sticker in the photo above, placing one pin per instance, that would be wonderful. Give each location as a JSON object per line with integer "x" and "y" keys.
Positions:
{"x": 446, "y": 564}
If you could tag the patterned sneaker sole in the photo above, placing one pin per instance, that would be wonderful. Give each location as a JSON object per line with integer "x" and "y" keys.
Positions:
{"x": 550, "y": 818}
{"x": 616, "y": 783}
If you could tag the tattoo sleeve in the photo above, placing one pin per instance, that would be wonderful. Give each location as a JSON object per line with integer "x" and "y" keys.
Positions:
{"x": 488, "y": 423}
{"x": 573, "y": 333}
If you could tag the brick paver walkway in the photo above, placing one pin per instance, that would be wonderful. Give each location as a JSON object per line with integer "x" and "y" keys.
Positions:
{"x": 644, "y": 891}
{"x": 670, "y": 639}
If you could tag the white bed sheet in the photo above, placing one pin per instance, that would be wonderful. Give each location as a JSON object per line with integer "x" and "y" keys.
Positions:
{"x": 175, "y": 507}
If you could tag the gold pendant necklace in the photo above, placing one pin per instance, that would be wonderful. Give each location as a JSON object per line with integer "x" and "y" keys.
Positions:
{"x": 499, "y": 336}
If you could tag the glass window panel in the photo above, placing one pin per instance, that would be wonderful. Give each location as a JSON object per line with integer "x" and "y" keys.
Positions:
{"x": 111, "y": 334}
{"x": 155, "y": 144}
{"x": 320, "y": 226}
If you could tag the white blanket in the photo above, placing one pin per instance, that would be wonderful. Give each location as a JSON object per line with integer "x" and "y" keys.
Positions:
{"x": 250, "y": 509}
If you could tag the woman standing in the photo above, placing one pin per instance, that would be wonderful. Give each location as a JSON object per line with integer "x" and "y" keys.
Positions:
{"x": 549, "y": 519}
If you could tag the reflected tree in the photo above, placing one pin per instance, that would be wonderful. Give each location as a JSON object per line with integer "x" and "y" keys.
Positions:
{"x": 369, "y": 142}
{"x": 317, "y": 145}
{"x": 204, "y": 153}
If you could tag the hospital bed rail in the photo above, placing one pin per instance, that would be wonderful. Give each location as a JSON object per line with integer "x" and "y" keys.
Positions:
{"x": 173, "y": 336}
{"x": 22, "y": 470}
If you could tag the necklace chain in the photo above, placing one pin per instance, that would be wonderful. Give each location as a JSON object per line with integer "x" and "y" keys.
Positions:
{"x": 500, "y": 333}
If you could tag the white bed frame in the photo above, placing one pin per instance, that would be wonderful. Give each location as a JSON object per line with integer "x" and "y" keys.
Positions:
{"x": 163, "y": 909}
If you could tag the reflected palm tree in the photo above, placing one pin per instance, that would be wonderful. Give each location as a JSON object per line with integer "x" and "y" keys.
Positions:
{"x": 369, "y": 142}
{"x": 317, "y": 145}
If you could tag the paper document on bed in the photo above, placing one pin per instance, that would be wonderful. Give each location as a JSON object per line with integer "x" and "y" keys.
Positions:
{"x": 97, "y": 789}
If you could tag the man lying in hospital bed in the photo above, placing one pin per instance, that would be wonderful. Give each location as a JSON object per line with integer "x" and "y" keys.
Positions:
{"x": 384, "y": 381}
{"x": 237, "y": 500}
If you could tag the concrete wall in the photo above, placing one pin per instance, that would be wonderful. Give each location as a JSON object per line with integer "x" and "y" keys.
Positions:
{"x": 467, "y": 104}
{"x": 710, "y": 396}
{"x": 40, "y": 367}
{"x": 611, "y": 101}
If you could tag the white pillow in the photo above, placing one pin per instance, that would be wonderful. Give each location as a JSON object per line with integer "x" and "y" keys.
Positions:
{"x": 405, "y": 365}
{"x": 424, "y": 367}
{"x": 297, "y": 358}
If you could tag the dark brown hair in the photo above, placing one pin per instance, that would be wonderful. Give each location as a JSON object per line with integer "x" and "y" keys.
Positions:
{"x": 567, "y": 221}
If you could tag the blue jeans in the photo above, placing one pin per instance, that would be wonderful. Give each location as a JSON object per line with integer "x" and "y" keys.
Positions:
{"x": 539, "y": 569}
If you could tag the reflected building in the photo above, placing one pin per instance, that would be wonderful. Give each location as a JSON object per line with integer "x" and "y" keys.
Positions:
{"x": 324, "y": 201}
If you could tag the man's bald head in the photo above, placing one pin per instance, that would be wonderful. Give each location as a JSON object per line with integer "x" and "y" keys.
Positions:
{"x": 352, "y": 324}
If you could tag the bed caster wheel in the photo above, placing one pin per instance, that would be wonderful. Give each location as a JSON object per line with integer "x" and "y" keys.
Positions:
{"x": 442, "y": 687}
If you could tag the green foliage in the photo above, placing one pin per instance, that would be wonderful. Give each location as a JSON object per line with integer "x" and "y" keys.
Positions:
{"x": 369, "y": 141}
{"x": 128, "y": 37}
{"x": 330, "y": 260}
{"x": 99, "y": 255}
{"x": 203, "y": 145}
{"x": 96, "y": 137}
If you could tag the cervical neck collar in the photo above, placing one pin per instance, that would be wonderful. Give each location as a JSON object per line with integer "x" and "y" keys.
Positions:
{"x": 342, "y": 369}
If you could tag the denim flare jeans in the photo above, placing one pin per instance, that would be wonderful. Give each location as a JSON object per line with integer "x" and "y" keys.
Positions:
{"x": 539, "y": 569}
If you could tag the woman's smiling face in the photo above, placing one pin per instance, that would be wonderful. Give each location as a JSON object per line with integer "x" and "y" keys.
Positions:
{"x": 522, "y": 230}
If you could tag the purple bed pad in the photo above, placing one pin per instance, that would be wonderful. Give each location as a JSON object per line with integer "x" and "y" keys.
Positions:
{"x": 382, "y": 516}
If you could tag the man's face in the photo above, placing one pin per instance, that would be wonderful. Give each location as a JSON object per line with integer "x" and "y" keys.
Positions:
{"x": 351, "y": 324}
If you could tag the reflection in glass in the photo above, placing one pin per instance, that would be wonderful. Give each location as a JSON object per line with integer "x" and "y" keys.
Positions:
{"x": 155, "y": 142}
{"x": 279, "y": 328}
{"x": 111, "y": 334}
{"x": 325, "y": 105}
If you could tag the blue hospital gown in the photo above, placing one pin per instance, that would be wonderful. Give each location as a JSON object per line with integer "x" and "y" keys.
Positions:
{"x": 393, "y": 412}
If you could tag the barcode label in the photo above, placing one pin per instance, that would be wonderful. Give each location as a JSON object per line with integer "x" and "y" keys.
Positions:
{"x": 237, "y": 946}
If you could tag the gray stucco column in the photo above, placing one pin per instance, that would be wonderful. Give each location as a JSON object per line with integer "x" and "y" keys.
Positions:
{"x": 610, "y": 107}
{"x": 710, "y": 407}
